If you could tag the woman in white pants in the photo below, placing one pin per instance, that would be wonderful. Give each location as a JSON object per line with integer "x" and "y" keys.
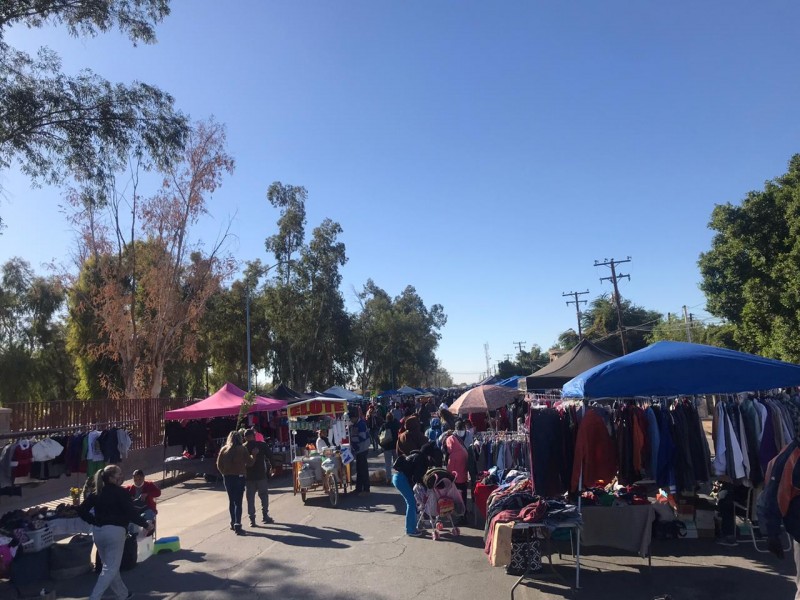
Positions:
{"x": 110, "y": 509}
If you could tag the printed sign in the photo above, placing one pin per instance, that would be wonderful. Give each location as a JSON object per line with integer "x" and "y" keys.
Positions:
{"x": 317, "y": 408}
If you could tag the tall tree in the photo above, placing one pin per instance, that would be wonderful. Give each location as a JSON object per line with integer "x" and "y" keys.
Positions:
{"x": 751, "y": 274}
{"x": 149, "y": 298}
{"x": 55, "y": 125}
{"x": 33, "y": 361}
{"x": 600, "y": 324}
{"x": 395, "y": 339}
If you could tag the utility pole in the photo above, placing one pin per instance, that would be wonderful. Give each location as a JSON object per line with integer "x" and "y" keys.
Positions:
{"x": 488, "y": 359}
{"x": 249, "y": 367}
{"x": 577, "y": 304}
{"x": 520, "y": 345}
{"x": 507, "y": 356}
{"x": 615, "y": 277}
{"x": 687, "y": 321}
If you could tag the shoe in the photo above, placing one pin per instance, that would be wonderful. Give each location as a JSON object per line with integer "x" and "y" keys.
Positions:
{"x": 252, "y": 521}
{"x": 231, "y": 526}
{"x": 416, "y": 534}
{"x": 268, "y": 520}
{"x": 237, "y": 529}
{"x": 728, "y": 540}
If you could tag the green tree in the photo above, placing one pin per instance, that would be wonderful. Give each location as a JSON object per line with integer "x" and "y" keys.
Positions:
{"x": 751, "y": 274}
{"x": 599, "y": 323}
{"x": 152, "y": 282}
{"x": 33, "y": 362}
{"x": 567, "y": 340}
{"x": 309, "y": 328}
{"x": 395, "y": 339}
{"x": 674, "y": 329}
{"x": 56, "y": 125}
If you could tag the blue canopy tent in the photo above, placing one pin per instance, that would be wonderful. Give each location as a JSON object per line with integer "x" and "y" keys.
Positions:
{"x": 511, "y": 382}
{"x": 676, "y": 368}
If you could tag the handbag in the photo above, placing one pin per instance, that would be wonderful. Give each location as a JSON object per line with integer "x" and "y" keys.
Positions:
{"x": 386, "y": 437}
{"x": 526, "y": 553}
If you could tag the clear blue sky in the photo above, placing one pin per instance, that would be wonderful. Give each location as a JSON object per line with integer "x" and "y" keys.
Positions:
{"x": 486, "y": 153}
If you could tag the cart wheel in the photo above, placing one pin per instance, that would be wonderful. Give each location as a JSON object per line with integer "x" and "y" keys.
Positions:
{"x": 456, "y": 532}
{"x": 333, "y": 493}
{"x": 303, "y": 495}
{"x": 434, "y": 535}
{"x": 439, "y": 526}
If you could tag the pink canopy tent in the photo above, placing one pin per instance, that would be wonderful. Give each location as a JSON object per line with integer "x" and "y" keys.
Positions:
{"x": 226, "y": 402}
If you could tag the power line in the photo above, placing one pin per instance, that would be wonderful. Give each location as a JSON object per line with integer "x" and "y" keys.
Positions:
{"x": 520, "y": 345}
{"x": 615, "y": 277}
{"x": 577, "y": 304}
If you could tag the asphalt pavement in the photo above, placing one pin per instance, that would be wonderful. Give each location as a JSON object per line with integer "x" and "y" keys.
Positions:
{"x": 359, "y": 550}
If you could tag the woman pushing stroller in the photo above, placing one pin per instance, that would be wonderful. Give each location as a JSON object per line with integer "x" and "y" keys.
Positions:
{"x": 409, "y": 470}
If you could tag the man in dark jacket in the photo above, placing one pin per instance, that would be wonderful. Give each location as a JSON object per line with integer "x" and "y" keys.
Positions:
{"x": 257, "y": 478}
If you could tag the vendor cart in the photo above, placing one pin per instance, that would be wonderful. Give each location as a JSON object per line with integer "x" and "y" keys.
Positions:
{"x": 327, "y": 472}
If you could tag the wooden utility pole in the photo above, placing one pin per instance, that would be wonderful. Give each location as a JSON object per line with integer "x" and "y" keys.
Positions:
{"x": 577, "y": 304}
{"x": 520, "y": 345}
{"x": 615, "y": 277}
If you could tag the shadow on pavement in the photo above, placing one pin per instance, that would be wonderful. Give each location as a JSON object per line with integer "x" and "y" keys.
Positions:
{"x": 292, "y": 534}
{"x": 166, "y": 575}
{"x": 680, "y": 582}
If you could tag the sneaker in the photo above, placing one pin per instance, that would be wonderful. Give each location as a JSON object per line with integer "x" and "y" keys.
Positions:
{"x": 728, "y": 540}
{"x": 237, "y": 529}
{"x": 252, "y": 521}
{"x": 416, "y": 534}
{"x": 268, "y": 520}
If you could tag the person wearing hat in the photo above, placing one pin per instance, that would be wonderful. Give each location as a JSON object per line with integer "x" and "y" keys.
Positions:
{"x": 257, "y": 478}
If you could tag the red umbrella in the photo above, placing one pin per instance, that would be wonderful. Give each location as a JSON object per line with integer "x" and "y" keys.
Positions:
{"x": 483, "y": 398}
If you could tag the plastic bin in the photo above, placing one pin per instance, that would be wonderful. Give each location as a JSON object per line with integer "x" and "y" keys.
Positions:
{"x": 38, "y": 539}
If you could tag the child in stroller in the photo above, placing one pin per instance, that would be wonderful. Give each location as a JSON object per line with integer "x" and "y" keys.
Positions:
{"x": 439, "y": 503}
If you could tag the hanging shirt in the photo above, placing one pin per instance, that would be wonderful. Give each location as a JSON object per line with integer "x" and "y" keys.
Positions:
{"x": 93, "y": 451}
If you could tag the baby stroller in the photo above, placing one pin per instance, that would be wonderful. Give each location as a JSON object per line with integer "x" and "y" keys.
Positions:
{"x": 439, "y": 503}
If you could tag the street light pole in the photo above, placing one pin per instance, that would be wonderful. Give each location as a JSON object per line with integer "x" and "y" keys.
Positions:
{"x": 247, "y": 311}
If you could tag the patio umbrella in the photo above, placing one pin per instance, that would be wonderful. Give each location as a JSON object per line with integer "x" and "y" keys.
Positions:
{"x": 483, "y": 398}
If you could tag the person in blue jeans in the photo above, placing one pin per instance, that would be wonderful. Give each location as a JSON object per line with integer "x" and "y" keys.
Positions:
{"x": 409, "y": 470}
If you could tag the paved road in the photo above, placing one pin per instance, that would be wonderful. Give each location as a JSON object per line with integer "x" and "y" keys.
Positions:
{"x": 358, "y": 550}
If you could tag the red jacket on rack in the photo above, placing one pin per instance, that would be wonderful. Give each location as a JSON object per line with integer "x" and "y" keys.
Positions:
{"x": 595, "y": 452}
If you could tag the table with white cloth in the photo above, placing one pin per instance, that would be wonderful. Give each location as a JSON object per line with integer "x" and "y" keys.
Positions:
{"x": 627, "y": 527}
{"x": 70, "y": 526}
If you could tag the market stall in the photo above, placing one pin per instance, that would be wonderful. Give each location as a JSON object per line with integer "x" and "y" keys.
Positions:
{"x": 329, "y": 469}
{"x": 201, "y": 429}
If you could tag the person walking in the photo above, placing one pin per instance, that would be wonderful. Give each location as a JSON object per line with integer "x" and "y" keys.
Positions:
{"x": 388, "y": 435}
{"x": 257, "y": 478}
{"x": 409, "y": 470}
{"x": 232, "y": 462}
{"x": 359, "y": 444}
{"x": 109, "y": 509}
{"x": 374, "y": 423}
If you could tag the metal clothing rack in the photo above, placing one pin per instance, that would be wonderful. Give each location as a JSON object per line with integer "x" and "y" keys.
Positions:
{"x": 18, "y": 435}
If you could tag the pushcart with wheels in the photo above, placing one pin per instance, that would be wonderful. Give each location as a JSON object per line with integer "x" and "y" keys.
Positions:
{"x": 314, "y": 472}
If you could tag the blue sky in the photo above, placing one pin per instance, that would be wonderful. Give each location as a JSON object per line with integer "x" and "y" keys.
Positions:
{"x": 485, "y": 153}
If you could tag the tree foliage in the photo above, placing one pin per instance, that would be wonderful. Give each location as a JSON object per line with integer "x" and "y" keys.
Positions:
{"x": 395, "y": 338}
{"x": 599, "y": 324}
{"x": 751, "y": 274}
{"x": 33, "y": 362}
{"x": 309, "y": 328}
{"x": 149, "y": 282}
{"x": 56, "y": 125}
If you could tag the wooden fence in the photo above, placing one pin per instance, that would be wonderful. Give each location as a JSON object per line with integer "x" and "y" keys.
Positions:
{"x": 146, "y": 416}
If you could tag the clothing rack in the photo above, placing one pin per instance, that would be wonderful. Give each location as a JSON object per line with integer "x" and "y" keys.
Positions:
{"x": 17, "y": 435}
{"x": 501, "y": 436}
